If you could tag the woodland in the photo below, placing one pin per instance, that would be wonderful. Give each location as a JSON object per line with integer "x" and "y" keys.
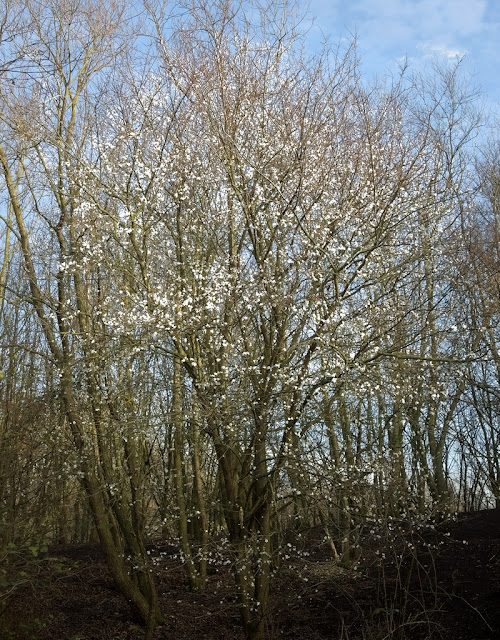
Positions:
{"x": 249, "y": 329}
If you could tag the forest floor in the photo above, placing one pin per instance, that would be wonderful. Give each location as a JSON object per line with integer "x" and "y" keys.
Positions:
{"x": 441, "y": 583}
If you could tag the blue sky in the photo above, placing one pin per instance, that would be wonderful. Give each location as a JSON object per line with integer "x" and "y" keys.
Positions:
{"x": 420, "y": 30}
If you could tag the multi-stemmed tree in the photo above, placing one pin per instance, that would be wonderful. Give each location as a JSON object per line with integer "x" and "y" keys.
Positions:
{"x": 49, "y": 100}
{"x": 239, "y": 259}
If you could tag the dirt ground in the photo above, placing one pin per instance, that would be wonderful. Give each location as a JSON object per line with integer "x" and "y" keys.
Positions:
{"x": 441, "y": 583}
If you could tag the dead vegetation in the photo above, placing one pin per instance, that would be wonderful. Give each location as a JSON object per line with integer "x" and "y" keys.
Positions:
{"x": 441, "y": 583}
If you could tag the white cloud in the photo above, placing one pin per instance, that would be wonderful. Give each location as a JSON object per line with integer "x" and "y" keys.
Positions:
{"x": 385, "y": 25}
{"x": 424, "y": 17}
{"x": 392, "y": 32}
{"x": 431, "y": 50}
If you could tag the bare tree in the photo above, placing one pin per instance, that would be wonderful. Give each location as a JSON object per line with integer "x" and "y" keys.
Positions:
{"x": 47, "y": 114}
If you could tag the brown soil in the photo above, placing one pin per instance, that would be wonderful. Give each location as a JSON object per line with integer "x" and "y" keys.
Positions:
{"x": 441, "y": 583}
